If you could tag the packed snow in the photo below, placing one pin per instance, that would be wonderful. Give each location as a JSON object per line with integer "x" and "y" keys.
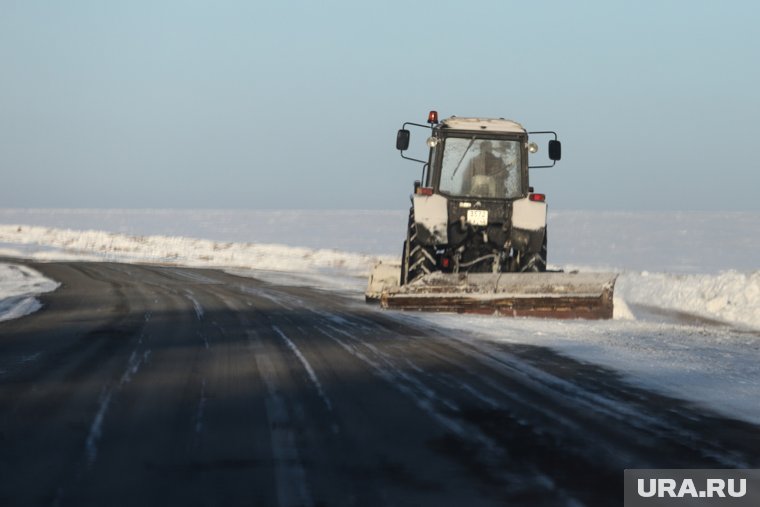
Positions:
{"x": 18, "y": 287}
{"x": 687, "y": 301}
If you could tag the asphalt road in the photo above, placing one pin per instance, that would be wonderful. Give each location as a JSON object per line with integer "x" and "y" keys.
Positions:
{"x": 139, "y": 385}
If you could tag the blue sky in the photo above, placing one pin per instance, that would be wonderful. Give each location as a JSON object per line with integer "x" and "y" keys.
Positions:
{"x": 239, "y": 104}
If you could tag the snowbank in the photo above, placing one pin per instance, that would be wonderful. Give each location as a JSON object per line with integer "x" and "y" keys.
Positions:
{"x": 108, "y": 246}
{"x": 18, "y": 287}
{"x": 375, "y": 232}
{"x": 731, "y": 297}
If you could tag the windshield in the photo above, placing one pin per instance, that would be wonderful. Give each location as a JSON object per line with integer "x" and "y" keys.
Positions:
{"x": 487, "y": 168}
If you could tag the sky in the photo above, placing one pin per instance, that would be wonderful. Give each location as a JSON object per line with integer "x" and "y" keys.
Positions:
{"x": 269, "y": 105}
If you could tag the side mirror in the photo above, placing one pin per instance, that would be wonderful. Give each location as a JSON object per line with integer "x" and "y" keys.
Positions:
{"x": 402, "y": 140}
{"x": 555, "y": 150}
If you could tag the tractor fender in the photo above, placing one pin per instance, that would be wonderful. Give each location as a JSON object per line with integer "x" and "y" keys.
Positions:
{"x": 528, "y": 215}
{"x": 528, "y": 224}
{"x": 431, "y": 217}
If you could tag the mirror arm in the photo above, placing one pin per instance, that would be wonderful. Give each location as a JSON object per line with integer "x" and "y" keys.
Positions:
{"x": 416, "y": 125}
{"x": 410, "y": 158}
{"x": 545, "y": 132}
{"x": 555, "y": 138}
{"x": 541, "y": 166}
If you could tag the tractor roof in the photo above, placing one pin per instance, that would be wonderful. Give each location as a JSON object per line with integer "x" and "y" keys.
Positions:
{"x": 481, "y": 124}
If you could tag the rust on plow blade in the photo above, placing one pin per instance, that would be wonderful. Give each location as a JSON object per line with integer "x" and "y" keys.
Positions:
{"x": 548, "y": 295}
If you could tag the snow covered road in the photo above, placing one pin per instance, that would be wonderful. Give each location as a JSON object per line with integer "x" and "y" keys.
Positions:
{"x": 187, "y": 386}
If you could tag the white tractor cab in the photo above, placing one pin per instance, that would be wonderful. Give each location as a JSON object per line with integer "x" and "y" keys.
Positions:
{"x": 474, "y": 216}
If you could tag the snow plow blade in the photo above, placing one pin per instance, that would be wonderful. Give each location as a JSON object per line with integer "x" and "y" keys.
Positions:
{"x": 547, "y": 295}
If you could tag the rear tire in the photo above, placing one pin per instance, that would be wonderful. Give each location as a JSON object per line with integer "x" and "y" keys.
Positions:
{"x": 535, "y": 262}
{"x": 418, "y": 260}
{"x": 404, "y": 262}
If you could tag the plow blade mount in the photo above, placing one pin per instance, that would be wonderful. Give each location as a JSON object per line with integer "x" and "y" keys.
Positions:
{"x": 549, "y": 295}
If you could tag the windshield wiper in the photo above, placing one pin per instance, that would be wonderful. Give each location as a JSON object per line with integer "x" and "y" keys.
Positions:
{"x": 461, "y": 159}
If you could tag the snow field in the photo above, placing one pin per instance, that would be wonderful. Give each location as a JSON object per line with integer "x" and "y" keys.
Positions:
{"x": 731, "y": 296}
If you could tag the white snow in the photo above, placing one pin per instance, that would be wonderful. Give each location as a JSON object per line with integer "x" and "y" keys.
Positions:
{"x": 731, "y": 296}
{"x": 107, "y": 246}
{"x": 18, "y": 287}
{"x": 714, "y": 366}
{"x": 687, "y": 301}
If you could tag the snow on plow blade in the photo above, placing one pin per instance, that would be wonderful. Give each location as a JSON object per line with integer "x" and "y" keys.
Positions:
{"x": 552, "y": 295}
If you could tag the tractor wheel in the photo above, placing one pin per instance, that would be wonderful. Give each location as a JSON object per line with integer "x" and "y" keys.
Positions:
{"x": 535, "y": 262}
{"x": 404, "y": 262}
{"x": 417, "y": 260}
